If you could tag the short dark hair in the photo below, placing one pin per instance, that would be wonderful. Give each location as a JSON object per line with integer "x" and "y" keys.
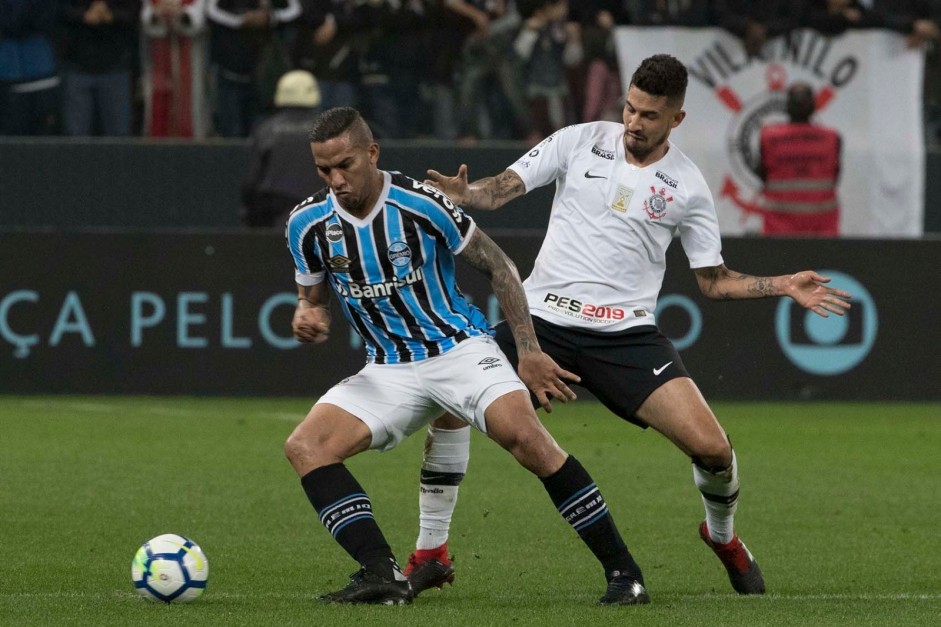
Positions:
{"x": 662, "y": 75}
{"x": 334, "y": 122}
{"x": 800, "y": 102}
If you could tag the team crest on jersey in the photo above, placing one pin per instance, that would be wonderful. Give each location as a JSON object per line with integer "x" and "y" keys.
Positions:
{"x": 334, "y": 233}
{"x": 339, "y": 263}
{"x": 656, "y": 205}
{"x": 400, "y": 254}
{"x": 622, "y": 199}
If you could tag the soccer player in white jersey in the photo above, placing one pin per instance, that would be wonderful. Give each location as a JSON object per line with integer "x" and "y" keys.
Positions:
{"x": 622, "y": 193}
{"x": 385, "y": 244}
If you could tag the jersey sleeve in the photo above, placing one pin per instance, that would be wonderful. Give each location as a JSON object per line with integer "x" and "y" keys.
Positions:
{"x": 450, "y": 222}
{"x": 699, "y": 229}
{"x": 454, "y": 224}
{"x": 548, "y": 160}
{"x": 302, "y": 244}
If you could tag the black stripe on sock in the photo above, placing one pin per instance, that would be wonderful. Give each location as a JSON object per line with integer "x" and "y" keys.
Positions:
{"x": 430, "y": 477}
{"x": 718, "y": 498}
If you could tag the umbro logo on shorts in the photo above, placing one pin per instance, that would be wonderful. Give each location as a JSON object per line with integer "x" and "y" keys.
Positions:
{"x": 490, "y": 362}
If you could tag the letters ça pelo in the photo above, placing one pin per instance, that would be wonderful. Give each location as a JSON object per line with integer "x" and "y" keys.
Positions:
{"x": 195, "y": 317}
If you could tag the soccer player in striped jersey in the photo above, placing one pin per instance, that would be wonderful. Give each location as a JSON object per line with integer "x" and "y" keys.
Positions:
{"x": 623, "y": 192}
{"x": 385, "y": 245}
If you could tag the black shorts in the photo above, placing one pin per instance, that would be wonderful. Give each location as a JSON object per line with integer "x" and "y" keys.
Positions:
{"x": 621, "y": 369}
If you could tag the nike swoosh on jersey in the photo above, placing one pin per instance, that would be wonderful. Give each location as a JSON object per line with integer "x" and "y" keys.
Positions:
{"x": 657, "y": 371}
{"x": 589, "y": 175}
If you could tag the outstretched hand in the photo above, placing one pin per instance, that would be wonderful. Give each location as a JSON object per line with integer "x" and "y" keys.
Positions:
{"x": 808, "y": 289}
{"x": 544, "y": 378}
{"x": 454, "y": 186}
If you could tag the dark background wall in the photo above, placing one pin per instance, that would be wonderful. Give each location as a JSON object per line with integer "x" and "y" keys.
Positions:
{"x": 58, "y": 183}
{"x": 209, "y": 313}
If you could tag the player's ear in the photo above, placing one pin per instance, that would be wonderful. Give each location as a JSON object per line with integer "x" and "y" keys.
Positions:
{"x": 678, "y": 118}
{"x": 373, "y": 152}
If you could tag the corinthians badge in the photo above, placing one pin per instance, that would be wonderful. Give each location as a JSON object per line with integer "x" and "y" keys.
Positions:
{"x": 656, "y": 205}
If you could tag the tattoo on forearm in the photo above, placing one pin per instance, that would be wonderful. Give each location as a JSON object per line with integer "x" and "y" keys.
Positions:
{"x": 720, "y": 283}
{"x": 762, "y": 286}
{"x": 484, "y": 255}
{"x": 494, "y": 191}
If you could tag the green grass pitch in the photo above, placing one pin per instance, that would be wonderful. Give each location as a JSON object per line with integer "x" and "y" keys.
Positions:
{"x": 840, "y": 503}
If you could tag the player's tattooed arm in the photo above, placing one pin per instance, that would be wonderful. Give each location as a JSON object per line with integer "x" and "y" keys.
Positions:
{"x": 721, "y": 283}
{"x": 535, "y": 368}
{"x": 483, "y": 254}
{"x": 807, "y": 288}
{"x": 485, "y": 194}
{"x": 493, "y": 192}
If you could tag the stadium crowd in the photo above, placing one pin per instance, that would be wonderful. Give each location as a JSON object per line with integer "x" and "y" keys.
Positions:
{"x": 446, "y": 69}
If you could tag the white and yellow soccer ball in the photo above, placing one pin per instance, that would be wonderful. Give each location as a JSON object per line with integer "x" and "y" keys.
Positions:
{"x": 170, "y": 568}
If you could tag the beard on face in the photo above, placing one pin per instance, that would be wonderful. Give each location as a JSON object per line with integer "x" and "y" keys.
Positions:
{"x": 641, "y": 149}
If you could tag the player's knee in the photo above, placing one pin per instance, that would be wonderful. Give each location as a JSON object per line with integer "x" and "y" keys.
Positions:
{"x": 304, "y": 451}
{"x": 536, "y": 451}
{"x": 715, "y": 452}
{"x": 294, "y": 447}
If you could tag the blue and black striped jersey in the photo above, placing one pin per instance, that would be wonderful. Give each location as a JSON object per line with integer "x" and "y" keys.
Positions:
{"x": 393, "y": 271}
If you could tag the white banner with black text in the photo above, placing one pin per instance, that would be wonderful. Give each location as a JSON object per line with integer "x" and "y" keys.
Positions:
{"x": 868, "y": 87}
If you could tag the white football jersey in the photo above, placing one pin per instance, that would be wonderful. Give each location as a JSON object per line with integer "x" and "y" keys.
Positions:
{"x": 602, "y": 262}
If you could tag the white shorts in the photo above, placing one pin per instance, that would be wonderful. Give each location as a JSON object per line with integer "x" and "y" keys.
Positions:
{"x": 396, "y": 400}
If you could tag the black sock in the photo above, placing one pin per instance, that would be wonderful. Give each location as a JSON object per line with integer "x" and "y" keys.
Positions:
{"x": 346, "y": 512}
{"x": 580, "y": 502}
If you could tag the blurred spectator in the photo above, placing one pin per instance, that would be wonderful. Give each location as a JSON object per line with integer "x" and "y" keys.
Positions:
{"x": 29, "y": 78}
{"x": 832, "y": 17}
{"x": 670, "y": 12}
{"x": 917, "y": 19}
{"x": 391, "y": 62}
{"x": 448, "y": 26}
{"x": 757, "y": 22}
{"x": 242, "y": 33}
{"x": 280, "y": 174}
{"x": 491, "y": 97}
{"x": 800, "y": 167}
{"x": 99, "y": 53}
{"x": 173, "y": 68}
{"x": 596, "y": 90}
{"x": 547, "y": 44}
{"x": 326, "y": 47}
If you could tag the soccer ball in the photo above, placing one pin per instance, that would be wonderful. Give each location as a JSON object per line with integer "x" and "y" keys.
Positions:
{"x": 170, "y": 568}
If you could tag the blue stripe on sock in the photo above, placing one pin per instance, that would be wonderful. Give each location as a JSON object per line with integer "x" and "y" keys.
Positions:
{"x": 326, "y": 510}
{"x": 592, "y": 520}
{"x": 576, "y": 496}
{"x": 340, "y": 527}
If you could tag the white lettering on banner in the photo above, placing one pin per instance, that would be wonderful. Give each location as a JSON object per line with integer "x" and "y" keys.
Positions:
{"x": 882, "y": 182}
{"x": 71, "y": 319}
{"x": 193, "y": 324}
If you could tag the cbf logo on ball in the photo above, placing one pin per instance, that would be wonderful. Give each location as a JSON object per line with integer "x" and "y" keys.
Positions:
{"x": 400, "y": 254}
{"x": 828, "y": 346}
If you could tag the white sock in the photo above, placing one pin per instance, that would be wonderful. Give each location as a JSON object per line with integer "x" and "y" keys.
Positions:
{"x": 446, "y": 456}
{"x": 719, "y": 492}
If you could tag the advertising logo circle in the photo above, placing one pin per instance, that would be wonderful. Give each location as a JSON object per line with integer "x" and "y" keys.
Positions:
{"x": 695, "y": 318}
{"x": 828, "y": 346}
